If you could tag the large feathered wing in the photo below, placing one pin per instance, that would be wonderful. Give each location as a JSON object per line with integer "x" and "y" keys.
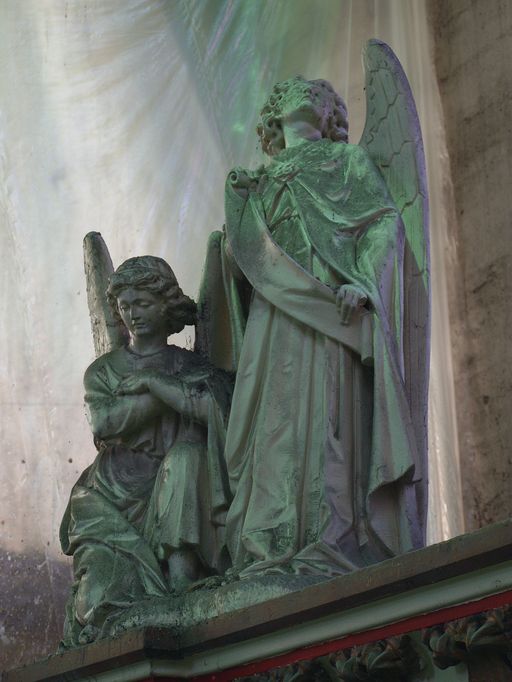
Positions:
{"x": 108, "y": 332}
{"x": 220, "y": 312}
{"x": 392, "y": 138}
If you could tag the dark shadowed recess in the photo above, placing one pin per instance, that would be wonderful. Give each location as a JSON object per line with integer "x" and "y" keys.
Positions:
{"x": 33, "y": 591}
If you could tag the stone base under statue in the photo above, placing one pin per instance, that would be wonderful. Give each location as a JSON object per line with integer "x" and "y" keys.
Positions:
{"x": 440, "y": 613}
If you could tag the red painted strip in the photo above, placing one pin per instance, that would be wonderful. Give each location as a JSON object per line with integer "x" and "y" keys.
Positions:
{"x": 397, "y": 628}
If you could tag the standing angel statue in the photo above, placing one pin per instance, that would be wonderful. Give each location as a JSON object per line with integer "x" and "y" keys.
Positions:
{"x": 322, "y": 276}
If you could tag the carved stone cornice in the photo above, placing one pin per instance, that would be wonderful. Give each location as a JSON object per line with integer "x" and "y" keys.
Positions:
{"x": 476, "y": 635}
{"x": 444, "y": 597}
{"x": 407, "y": 656}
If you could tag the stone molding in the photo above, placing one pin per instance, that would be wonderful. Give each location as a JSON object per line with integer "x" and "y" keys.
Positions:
{"x": 411, "y": 655}
{"x": 385, "y": 617}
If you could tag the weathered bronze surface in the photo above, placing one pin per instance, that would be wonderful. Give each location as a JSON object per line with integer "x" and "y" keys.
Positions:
{"x": 316, "y": 294}
{"x": 145, "y": 520}
{"x": 326, "y": 443}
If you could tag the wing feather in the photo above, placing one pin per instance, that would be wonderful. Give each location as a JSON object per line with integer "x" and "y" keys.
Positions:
{"x": 108, "y": 333}
{"x": 392, "y": 137}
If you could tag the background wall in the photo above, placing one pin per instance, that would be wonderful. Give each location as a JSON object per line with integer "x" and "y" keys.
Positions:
{"x": 473, "y": 56}
{"x": 124, "y": 116}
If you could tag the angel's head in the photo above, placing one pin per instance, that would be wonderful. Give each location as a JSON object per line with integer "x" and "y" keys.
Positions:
{"x": 314, "y": 102}
{"x": 145, "y": 295}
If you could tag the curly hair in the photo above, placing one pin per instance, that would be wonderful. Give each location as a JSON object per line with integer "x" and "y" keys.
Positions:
{"x": 155, "y": 275}
{"x": 334, "y": 115}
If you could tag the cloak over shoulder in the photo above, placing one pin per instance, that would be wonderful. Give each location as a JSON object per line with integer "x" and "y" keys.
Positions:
{"x": 325, "y": 218}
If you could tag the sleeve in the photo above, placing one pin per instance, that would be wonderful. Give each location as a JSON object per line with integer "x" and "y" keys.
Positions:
{"x": 111, "y": 416}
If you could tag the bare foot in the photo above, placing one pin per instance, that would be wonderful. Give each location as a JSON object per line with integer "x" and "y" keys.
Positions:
{"x": 184, "y": 569}
{"x": 214, "y": 581}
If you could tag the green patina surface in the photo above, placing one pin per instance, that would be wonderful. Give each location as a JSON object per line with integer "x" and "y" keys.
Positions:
{"x": 205, "y": 498}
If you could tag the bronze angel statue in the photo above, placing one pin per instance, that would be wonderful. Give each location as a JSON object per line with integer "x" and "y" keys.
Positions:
{"x": 316, "y": 295}
{"x": 146, "y": 519}
{"x": 322, "y": 272}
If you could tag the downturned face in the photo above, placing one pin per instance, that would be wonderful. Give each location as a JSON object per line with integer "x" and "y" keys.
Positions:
{"x": 142, "y": 312}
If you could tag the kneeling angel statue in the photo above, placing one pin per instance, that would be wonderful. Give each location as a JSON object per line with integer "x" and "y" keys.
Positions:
{"x": 146, "y": 519}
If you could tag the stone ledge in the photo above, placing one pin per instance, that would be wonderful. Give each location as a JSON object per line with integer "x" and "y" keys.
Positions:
{"x": 462, "y": 570}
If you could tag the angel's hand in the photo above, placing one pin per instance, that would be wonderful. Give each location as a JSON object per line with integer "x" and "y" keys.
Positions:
{"x": 348, "y": 299}
{"x": 244, "y": 181}
{"x": 135, "y": 384}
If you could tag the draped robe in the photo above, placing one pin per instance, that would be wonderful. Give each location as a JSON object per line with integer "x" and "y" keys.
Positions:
{"x": 320, "y": 446}
{"x": 157, "y": 484}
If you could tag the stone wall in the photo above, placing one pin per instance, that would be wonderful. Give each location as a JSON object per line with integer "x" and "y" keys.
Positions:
{"x": 473, "y": 57}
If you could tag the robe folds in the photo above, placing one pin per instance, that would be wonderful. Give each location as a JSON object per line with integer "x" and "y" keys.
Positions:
{"x": 157, "y": 484}
{"x": 320, "y": 449}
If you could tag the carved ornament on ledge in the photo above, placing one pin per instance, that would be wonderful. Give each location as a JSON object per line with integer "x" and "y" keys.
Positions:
{"x": 410, "y": 656}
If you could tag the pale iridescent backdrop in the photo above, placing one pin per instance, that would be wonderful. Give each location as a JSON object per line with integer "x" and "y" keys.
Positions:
{"x": 123, "y": 116}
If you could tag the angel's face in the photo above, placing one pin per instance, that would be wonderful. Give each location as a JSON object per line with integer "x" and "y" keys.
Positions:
{"x": 304, "y": 101}
{"x": 295, "y": 103}
{"x": 142, "y": 312}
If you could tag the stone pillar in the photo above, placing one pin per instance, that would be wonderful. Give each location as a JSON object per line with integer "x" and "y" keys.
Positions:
{"x": 473, "y": 51}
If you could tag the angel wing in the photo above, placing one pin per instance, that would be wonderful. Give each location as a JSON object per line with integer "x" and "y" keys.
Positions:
{"x": 108, "y": 333}
{"x": 392, "y": 138}
{"x": 220, "y": 316}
